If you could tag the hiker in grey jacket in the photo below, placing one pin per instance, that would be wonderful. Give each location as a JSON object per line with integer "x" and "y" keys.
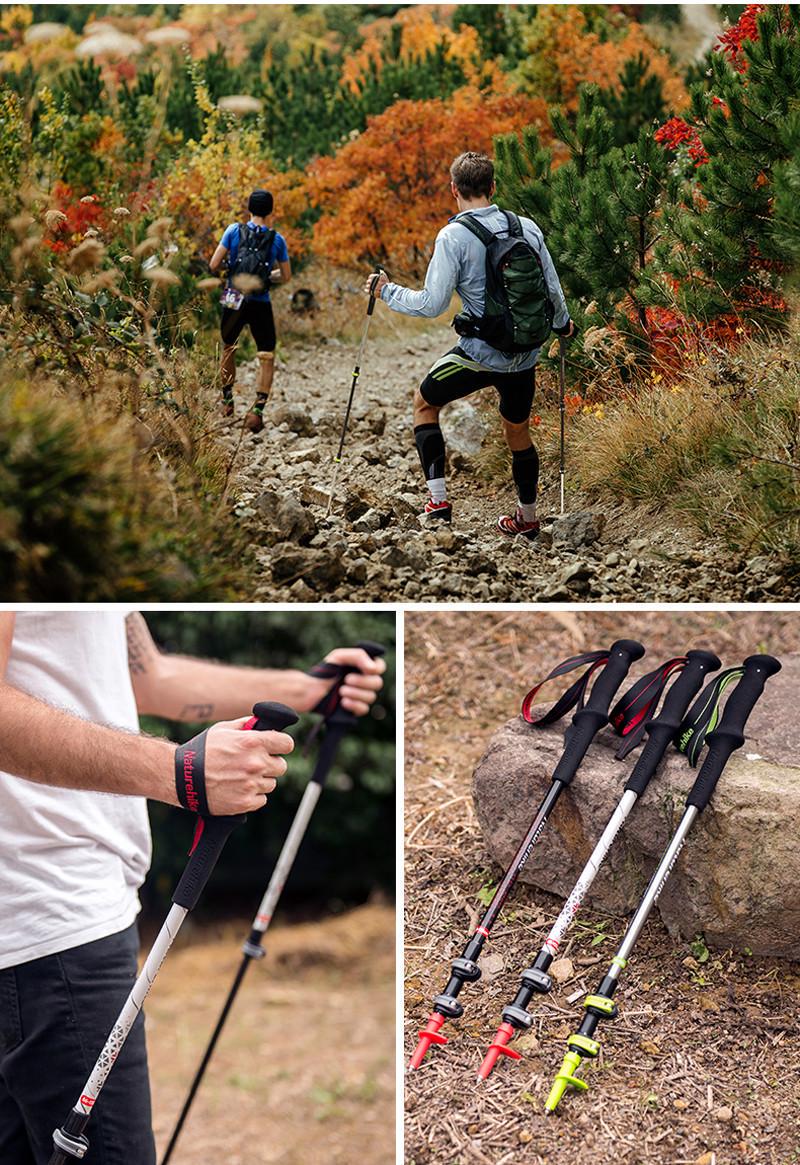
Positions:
{"x": 459, "y": 264}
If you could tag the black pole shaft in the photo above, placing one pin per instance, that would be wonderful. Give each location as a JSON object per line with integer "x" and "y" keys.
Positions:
{"x": 521, "y": 856}
{"x": 209, "y": 1052}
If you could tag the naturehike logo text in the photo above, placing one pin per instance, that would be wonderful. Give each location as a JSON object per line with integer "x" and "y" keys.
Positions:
{"x": 192, "y": 801}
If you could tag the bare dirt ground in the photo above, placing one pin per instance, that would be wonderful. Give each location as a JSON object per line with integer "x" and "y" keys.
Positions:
{"x": 375, "y": 548}
{"x": 305, "y": 1069}
{"x": 701, "y": 1068}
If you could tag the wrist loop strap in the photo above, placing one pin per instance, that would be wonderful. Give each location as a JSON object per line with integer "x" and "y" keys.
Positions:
{"x": 629, "y": 715}
{"x": 328, "y": 671}
{"x": 190, "y": 774}
{"x": 703, "y": 716}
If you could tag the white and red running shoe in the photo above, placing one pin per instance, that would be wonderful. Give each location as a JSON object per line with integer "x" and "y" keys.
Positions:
{"x": 516, "y": 524}
{"x": 438, "y": 511}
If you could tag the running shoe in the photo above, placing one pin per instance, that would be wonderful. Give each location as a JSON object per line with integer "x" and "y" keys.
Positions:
{"x": 254, "y": 420}
{"x": 438, "y": 511}
{"x": 516, "y": 524}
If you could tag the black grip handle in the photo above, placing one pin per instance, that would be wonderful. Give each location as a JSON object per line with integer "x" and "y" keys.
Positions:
{"x": 588, "y": 721}
{"x": 211, "y": 833}
{"x": 272, "y": 717}
{"x": 661, "y": 730}
{"x": 340, "y": 715}
{"x": 373, "y": 281}
{"x": 730, "y": 734}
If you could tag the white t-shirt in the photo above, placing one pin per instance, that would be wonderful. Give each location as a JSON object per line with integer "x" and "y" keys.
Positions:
{"x": 71, "y": 862}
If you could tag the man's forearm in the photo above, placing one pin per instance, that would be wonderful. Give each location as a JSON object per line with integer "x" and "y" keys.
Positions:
{"x": 182, "y": 688}
{"x": 53, "y": 747}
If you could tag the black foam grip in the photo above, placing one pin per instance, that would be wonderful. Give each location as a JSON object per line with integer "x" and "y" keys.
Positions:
{"x": 209, "y": 840}
{"x": 588, "y": 721}
{"x": 213, "y": 832}
{"x": 730, "y": 735}
{"x": 371, "y": 304}
{"x": 273, "y": 717}
{"x": 663, "y": 727}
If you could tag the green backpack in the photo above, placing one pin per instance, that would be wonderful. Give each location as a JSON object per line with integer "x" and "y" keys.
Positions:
{"x": 517, "y": 312}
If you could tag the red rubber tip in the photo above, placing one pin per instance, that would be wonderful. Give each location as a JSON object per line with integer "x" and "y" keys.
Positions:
{"x": 427, "y": 1037}
{"x": 498, "y": 1048}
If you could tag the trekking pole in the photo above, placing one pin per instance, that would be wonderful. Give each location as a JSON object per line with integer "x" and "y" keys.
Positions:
{"x": 338, "y": 721}
{"x": 562, "y": 408}
{"x": 70, "y": 1141}
{"x": 722, "y": 741}
{"x": 586, "y": 723}
{"x": 516, "y": 1018}
{"x": 356, "y": 373}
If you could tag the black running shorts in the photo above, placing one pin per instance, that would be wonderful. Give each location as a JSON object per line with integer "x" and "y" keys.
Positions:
{"x": 256, "y": 314}
{"x": 455, "y": 376}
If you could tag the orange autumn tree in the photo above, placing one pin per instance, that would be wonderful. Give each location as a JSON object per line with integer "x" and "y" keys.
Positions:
{"x": 567, "y": 45}
{"x": 384, "y": 196}
{"x": 422, "y": 28}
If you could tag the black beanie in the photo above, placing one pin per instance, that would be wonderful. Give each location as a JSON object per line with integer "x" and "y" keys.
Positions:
{"x": 260, "y": 203}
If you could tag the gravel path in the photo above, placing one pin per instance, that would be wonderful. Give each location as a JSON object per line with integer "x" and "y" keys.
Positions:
{"x": 375, "y": 548}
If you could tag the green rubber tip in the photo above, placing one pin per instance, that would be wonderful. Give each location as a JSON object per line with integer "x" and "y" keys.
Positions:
{"x": 564, "y": 1080}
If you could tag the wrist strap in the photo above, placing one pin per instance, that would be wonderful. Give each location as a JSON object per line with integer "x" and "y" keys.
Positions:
{"x": 703, "y": 716}
{"x": 328, "y": 671}
{"x": 190, "y": 774}
{"x": 629, "y": 715}
{"x": 574, "y": 696}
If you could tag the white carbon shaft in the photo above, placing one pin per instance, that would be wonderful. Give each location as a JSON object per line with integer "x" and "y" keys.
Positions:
{"x": 133, "y": 1005}
{"x": 589, "y": 872}
{"x": 287, "y": 855}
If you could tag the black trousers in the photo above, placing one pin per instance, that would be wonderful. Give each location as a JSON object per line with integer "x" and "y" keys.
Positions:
{"x": 55, "y": 1014}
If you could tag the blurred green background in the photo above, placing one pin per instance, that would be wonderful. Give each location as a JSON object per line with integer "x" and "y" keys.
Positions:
{"x": 348, "y": 854}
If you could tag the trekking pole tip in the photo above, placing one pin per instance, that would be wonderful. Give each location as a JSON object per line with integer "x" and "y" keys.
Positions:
{"x": 565, "y": 1079}
{"x": 429, "y": 1036}
{"x": 497, "y": 1048}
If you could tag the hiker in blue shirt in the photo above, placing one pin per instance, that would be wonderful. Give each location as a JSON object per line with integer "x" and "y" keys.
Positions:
{"x": 251, "y": 251}
{"x": 459, "y": 264}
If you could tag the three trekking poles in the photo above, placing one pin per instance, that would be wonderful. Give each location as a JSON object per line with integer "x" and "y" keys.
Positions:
{"x": 337, "y": 461}
{"x": 587, "y": 721}
{"x": 689, "y": 731}
{"x": 70, "y": 1141}
{"x": 337, "y": 722}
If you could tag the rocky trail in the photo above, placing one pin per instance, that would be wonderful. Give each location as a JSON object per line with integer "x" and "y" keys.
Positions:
{"x": 374, "y": 547}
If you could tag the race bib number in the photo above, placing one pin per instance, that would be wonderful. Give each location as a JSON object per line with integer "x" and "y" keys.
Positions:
{"x": 232, "y": 298}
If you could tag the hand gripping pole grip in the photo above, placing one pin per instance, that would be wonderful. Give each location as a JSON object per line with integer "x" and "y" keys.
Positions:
{"x": 588, "y": 721}
{"x": 374, "y": 278}
{"x": 212, "y": 832}
{"x": 730, "y": 734}
{"x": 662, "y": 729}
{"x": 340, "y": 715}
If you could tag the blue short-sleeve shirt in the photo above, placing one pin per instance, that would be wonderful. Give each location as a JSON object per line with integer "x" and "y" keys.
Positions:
{"x": 230, "y": 241}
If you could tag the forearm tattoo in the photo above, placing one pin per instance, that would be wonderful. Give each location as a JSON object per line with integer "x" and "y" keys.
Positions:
{"x": 197, "y": 712}
{"x": 141, "y": 648}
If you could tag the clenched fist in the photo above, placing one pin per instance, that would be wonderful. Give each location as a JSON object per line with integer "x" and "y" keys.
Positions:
{"x": 242, "y": 768}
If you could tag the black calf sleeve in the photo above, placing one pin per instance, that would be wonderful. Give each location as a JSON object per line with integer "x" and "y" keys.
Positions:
{"x": 525, "y": 469}
{"x": 430, "y": 446}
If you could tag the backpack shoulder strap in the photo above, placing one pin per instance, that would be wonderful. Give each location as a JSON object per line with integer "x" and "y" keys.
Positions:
{"x": 514, "y": 225}
{"x": 477, "y": 228}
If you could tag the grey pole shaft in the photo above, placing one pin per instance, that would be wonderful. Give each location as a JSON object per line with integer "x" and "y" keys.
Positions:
{"x": 654, "y": 888}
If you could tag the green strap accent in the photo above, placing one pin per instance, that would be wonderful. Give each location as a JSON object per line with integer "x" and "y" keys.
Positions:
{"x": 601, "y": 1002}
{"x": 587, "y": 1046}
{"x": 617, "y": 961}
{"x": 703, "y": 716}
